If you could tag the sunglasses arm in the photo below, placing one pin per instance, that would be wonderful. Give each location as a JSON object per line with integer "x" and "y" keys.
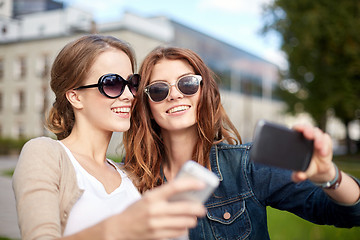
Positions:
{"x": 87, "y": 86}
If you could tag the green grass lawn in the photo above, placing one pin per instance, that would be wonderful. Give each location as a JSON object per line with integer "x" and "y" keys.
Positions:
{"x": 7, "y": 173}
{"x": 287, "y": 226}
{"x": 5, "y": 238}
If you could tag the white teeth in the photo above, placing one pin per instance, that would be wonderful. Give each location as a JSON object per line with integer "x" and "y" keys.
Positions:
{"x": 121, "y": 110}
{"x": 178, "y": 109}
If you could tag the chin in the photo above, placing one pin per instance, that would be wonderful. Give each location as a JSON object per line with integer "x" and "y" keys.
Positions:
{"x": 123, "y": 128}
{"x": 183, "y": 126}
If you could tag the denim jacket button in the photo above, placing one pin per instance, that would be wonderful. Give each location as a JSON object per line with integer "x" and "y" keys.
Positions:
{"x": 227, "y": 215}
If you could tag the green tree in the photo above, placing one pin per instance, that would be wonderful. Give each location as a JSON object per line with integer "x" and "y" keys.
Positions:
{"x": 322, "y": 42}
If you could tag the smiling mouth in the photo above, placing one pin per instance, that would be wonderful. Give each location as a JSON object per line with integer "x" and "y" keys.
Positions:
{"x": 178, "y": 109}
{"x": 121, "y": 110}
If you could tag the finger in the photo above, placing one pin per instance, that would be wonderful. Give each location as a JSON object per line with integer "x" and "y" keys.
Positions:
{"x": 318, "y": 138}
{"x": 174, "y": 208}
{"x": 180, "y": 208}
{"x": 306, "y": 130}
{"x": 174, "y": 223}
{"x": 322, "y": 143}
{"x": 327, "y": 148}
{"x": 174, "y": 187}
{"x": 298, "y": 176}
{"x": 312, "y": 133}
{"x": 166, "y": 234}
{"x": 170, "y": 227}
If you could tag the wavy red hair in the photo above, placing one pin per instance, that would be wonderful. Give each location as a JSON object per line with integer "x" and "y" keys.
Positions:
{"x": 145, "y": 153}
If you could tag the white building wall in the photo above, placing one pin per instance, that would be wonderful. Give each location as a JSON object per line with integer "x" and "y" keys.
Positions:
{"x": 42, "y": 24}
{"x": 245, "y": 111}
{"x": 46, "y": 24}
{"x": 6, "y": 8}
{"x": 32, "y": 83}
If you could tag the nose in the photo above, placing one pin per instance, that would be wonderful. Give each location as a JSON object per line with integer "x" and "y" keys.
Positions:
{"x": 126, "y": 95}
{"x": 174, "y": 92}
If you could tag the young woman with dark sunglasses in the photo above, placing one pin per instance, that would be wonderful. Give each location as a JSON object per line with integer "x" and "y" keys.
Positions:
{"x": 68, "y": 188}
{"x": 178, "y": 116}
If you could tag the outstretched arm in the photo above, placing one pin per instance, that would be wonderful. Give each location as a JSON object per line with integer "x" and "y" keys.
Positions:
{"x": 152, "y": 217}
{"x": 36, "y": 187}
{"x": 322, "y": 169}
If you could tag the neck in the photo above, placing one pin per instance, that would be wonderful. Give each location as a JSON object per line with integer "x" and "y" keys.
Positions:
{"x": 179, "y": 149}
{"x": 91, "y": 143}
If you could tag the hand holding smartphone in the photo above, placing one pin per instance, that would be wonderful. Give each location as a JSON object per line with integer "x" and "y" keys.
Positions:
{"x": 279, "y": 146}
{"x": 193, "y": 170}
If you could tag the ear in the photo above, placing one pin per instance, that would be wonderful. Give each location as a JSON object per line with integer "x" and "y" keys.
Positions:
{"x": 73, "y": 98}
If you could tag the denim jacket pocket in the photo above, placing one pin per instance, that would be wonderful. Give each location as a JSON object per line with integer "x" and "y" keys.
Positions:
{"x": 229, "y": 220}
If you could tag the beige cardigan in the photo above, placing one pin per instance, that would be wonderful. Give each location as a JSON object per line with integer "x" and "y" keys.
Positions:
{"x": 45, "y": 188}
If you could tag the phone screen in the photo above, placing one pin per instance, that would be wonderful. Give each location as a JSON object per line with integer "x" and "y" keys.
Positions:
{"x": 193, "y": 170}
{"x": 279, "y": 146}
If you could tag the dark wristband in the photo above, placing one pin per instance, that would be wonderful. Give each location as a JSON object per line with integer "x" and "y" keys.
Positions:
{"x": 333, "y": 184}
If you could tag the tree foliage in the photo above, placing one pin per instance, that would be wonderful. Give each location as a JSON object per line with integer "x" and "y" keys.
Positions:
{"x": 322, "y": 42}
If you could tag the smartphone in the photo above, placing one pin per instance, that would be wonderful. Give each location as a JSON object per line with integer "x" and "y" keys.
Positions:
{"x": 279, "y": 146}
{"x": 193, "y": 170}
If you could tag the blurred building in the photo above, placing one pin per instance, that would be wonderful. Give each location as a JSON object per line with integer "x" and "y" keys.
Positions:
{"x": 29, "y": 42}
{"x": 247, "y": 81}
{"x": 23, "y": 7}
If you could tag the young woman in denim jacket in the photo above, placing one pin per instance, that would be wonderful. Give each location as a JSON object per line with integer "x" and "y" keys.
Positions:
{"x": 68, "y": 188}
{"x": 178, "y": 116}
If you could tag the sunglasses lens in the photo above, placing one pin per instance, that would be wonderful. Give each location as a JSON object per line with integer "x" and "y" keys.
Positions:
{"x": 113, "y": 85}
{"x": 158, "y": 91}
{"x": 189, "y": 85}
{"x": 134, "y": 82}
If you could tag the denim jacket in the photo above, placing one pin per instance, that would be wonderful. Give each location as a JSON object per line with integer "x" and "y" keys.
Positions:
{"x": 237, "y": 209}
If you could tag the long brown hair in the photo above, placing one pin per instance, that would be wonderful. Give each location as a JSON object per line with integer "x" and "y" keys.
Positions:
{"x": 143, "y": 144}
{"x": 70, "y": 69}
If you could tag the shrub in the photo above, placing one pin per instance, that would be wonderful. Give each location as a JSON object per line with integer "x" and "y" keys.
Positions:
{"x": 11, "y": 146}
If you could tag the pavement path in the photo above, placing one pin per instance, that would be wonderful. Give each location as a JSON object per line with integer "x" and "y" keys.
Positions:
{"x": 8, "y": 219}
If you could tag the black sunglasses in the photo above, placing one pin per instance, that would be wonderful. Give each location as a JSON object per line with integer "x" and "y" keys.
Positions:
{"x": 160, "y": 90}
{"x": 113, "y": 85}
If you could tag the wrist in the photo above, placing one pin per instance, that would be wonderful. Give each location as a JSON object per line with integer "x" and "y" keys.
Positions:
{"x": 107, "y": 228}
{"x": 334, "y": 183}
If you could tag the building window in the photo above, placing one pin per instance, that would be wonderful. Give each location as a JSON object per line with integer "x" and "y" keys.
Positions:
{"x": 20, "y": 67}
{"x": 1, "y": 69}
{"x": 21, "y": 130}
{"x": 4, "y": 30}
{"x": 18, "y": 130}
{"x": 43, "y": 66}
{"x": 22, "y": 101}
{"x": 1, "y": 101}
{"x": 251, "y": 85}
{"x": 19, "y": 102}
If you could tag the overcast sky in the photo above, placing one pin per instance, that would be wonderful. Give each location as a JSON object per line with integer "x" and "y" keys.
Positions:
{"x": 237, "y": 22}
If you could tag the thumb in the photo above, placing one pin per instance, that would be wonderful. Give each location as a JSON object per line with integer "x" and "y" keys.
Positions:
{"x": 298, "y": 176}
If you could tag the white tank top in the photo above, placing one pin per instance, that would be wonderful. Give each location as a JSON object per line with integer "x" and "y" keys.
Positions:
{"x": 96, "y": 204}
